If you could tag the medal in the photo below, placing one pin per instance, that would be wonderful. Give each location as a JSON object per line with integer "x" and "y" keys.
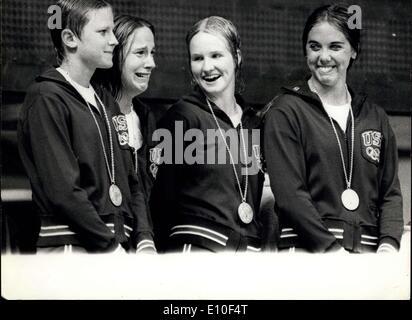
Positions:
{"x": 115, "y": 195}
{"x": 350, "y": 199}
{"x": 245, "y": 212}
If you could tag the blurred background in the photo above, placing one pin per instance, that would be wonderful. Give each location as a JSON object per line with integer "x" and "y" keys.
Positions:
{"x": 272, "y": 56}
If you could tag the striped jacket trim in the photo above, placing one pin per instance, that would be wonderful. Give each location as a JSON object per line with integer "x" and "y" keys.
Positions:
{"x": 210, "y": 234}
{"x": 337, "y": 232}
{"x": 201, "y": 232}
{"x": 64, "y": 230}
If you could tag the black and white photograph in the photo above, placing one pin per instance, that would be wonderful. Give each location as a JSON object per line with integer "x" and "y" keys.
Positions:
{"x": 206, "y": 155}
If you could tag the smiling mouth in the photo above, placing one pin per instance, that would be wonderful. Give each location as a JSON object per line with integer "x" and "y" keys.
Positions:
{"x": 142, "y": 75}
{"x": 211, "y": 78}
{"x": 325, "y": 69}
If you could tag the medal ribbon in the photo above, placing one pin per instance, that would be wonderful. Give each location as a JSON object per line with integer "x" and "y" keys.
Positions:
{"x": 242, "y": 194}
{"x": 348, "y": 180}
{"x": 111, "y": 171}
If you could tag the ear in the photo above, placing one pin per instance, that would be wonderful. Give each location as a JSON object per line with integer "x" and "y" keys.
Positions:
{"x": 69, "y": 39}
{"x": 239, "y": 58}
{"x": 354, "y": 54}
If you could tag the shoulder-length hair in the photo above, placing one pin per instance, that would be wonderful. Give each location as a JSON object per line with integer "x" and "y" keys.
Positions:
{"x": 124, "y": 26}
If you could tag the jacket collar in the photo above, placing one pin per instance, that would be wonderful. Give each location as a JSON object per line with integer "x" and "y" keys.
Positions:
{"x": 53, "y": 75}
{"x": 198, "y": 98}
{"x": 302, "y": 90}
{"x": 141, "y": 109}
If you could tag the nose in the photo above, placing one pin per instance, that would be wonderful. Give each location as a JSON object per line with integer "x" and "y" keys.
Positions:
{"x": 113, "y": 40}
{"x": 207, "y": 65}
{"x": 324, "y": 55}
{"x": 150, "y": 63}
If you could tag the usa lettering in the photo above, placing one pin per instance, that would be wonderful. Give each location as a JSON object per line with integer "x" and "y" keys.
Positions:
{"x": 372, "y": 138}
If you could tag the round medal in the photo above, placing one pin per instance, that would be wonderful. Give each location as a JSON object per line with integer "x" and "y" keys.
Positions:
{"x": 115, "y": 195}
{"x": 350, "y": 199}
{"x": 245, "y": 212}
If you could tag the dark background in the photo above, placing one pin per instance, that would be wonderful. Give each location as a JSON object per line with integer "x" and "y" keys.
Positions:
{"x": 271, "y": 35}
{"x": 272, "y": 56}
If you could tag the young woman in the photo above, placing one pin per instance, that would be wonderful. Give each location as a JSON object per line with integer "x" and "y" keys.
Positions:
{"x": 133, "y": 62}
{"x": 331, "y": 153}
{"x": 205, "y": 198}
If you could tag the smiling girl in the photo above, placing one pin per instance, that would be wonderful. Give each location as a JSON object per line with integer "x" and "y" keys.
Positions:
{"x": 331, "y": 154}
{"x": 211, "y": 206}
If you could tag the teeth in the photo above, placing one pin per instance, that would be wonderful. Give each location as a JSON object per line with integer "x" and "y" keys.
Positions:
{"x": 325, "y": 69}
{"x": 211, "y": 78}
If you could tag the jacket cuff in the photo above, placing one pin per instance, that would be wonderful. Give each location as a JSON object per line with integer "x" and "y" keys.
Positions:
{"x": 388, "y": 243}
{"x": 145, "y": 243}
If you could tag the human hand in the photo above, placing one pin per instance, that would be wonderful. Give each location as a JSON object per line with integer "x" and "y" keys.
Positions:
{"x": 386, "y": 248}
{"x": 146, "y": 246}
{"x": 119, "y": 250}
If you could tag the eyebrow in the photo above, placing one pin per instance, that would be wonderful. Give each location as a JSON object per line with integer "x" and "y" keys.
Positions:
{"x": 139, "y": 48}
{"x": 145, "y": 47}
{"x": 333, "y": 42}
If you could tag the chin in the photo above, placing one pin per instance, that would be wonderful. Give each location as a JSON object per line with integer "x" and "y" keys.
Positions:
{"x": 327, "y": 81}
{"x": 211, "y": 90}
{"x": 106, "y": 65}
{"x": 140, "y": 89}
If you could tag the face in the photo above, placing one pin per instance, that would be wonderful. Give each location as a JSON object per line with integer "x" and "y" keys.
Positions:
{"x": 328, "y": 55}
{"x": 97, "y": 41}
{"x": 212, "y": 64}
{"x": 138, "y": 61}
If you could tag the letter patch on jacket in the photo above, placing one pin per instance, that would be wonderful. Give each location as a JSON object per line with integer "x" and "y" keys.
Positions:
{"x": 258, "y": 157}
{"x": 120, "y": 124}
{"x": 371, "y": 142}
{"x": 154, "y": 157}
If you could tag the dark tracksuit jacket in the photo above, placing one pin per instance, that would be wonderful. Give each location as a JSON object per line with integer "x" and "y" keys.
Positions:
{"x": 60, "y": 148}
{"x": 197, "y": 203}
{"x": 142, "y": 164}
{"x": 307, "y": 179}
{"x": 148, "y": 125}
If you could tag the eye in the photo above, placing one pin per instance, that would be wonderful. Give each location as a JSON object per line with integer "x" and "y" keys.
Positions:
{"x": 197, "y": 58}
{"x": 335, "y": 47}
{"x": 216, "y": 55}
{"x": 140, "y": 52}
{"x": 102, "y": 32}
{"x": 314, "y": 46}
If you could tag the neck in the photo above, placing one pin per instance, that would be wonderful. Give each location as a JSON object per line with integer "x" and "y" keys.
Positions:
{"x": 227, "y": 103}
{"x": 125, "y": 103}
{"x": 78, "y": 71}
{"x": 336, "y": 95}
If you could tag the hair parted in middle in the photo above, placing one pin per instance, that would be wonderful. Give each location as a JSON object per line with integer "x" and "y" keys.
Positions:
{"x": 338, "y": 16}
{"x": 124, "y": 26}
{"x": 226, "y": 29}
